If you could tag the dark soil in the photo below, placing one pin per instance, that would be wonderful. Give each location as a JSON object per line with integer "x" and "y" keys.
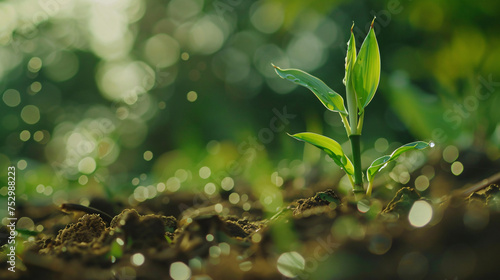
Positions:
{"x": 337, "y": 238}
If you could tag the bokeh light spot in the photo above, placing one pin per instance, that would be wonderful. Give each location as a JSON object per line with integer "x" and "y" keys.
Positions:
{"x": 22, "y": 164}
{"x": 306, "y": 52}
{"x": 204, "y": 172}
{"x": 363, "y": 205}
{"x": 24, "y": 135}
{"x": 234, "y": 198}
{"x": 83, "y": 180}
{"x": 125, "y": 80}
{"x": 420, "y": 213}
{"x": 160, "y": 187}
{"x": 184, "y": 9}
{"x": 192, "y": 96}
{"x": 38, "y": 136}
{"x": 25, "y": 223}
{"x": 205, "y": 36}
{"x": 40, "y": 188}
{"x": 227, "y": 183}
{"x": 11, "y": 97}
{"x": 256, "y": 237}
{"x": 276, "y": 179}
{"x": 381, "y": 145}
{"x": 267, "y": 17}
{"x": 30, "y": 114}
{"x": 246, "y": 266}
{"x": 137, "y": 259}
{"x": 247, "y": 206}
{"x": 35, "y": 87}
{"x": 173, "y": 184}
{"x": 34, "y": 64}
{"x": 162, "y": 50}
{"x": 141, "y": 193}
{"x": 291, "y": 264}
{"x": 120, "y": 241}
{"x": 404, "y": 177}
{"x": 181, "y": 174}
{"x": 210, "y": 188}
{"x": 61, "y": 65}
{"x": 457, "y": 168}
{"x": 209, "y": 237}
{"x": 48, "y": 191}
{"x": 135, "y": 181}
{"x": 421, "y": 183}
{"x": 380, "y": 244}
{"x": 450, "y": 153}
{"x": 180, "y": 271}
{"x": 87, "y": 165}
{"x": 218, "y": 208}
{"x": 148, "y": 155}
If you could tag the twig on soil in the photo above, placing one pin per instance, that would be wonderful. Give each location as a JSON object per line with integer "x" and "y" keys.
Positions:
{"x": 71, "y": 207}
{"x": 495, "y": 178}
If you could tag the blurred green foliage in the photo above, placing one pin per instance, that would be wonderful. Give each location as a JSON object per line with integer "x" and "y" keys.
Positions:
{"x": 132, "y": 98}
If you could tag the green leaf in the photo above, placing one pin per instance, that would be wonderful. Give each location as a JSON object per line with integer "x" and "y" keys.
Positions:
{"x": 332, "y": 100}
{"x": 352, "y": 106}
{"x": 329, "y": 146}
{"x": 350, "y": 57}
{"x": 116, "y": 249}
{"x": 381, "y": 162}
{"x": 366, "y": 72}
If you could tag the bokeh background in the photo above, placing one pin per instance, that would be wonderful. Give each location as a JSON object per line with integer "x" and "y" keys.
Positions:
{"x": 129, "y": 99}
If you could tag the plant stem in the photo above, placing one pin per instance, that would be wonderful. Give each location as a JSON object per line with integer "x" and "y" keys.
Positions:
{"x": 356, "y": 161}
{"x": 346, "y": 124}
{"x": 360, "y": 122}
{"x": 369, "y": 189}
{"x": 352, "y": 106}
{"x": 350, "y": 180}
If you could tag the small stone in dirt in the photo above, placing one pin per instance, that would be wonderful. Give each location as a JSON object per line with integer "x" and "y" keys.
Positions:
{"x": 88, "y": 228}
{"x": 191, "y": 238}
{"x": 402, "y": 201}
{"x": 240, "y": 227}
{"x": 144, "y": 230}
{"x": 77, "y": 237}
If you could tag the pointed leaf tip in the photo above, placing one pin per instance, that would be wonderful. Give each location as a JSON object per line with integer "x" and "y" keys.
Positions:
{"x": 366, "y": 71}
{"x": 350, "y": 58}
{"x": 374, "y": 17}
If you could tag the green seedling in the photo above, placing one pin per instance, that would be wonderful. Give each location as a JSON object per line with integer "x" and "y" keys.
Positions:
{"x": 362, "y": 75}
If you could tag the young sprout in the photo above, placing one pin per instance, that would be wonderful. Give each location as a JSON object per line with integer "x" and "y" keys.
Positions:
{"x": 362, "y": 75}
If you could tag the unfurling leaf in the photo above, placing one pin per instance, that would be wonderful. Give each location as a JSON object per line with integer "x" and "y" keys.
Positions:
{"x": 329, "y": 146}
{"x": 366, "y": 72}
{"x": 350, "y": 58}
{"x": 332, "y": 100}
{"x": 381, "y": 162}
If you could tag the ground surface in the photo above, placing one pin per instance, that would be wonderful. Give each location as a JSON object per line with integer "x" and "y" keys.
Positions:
{"x": 323, "y": 236}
